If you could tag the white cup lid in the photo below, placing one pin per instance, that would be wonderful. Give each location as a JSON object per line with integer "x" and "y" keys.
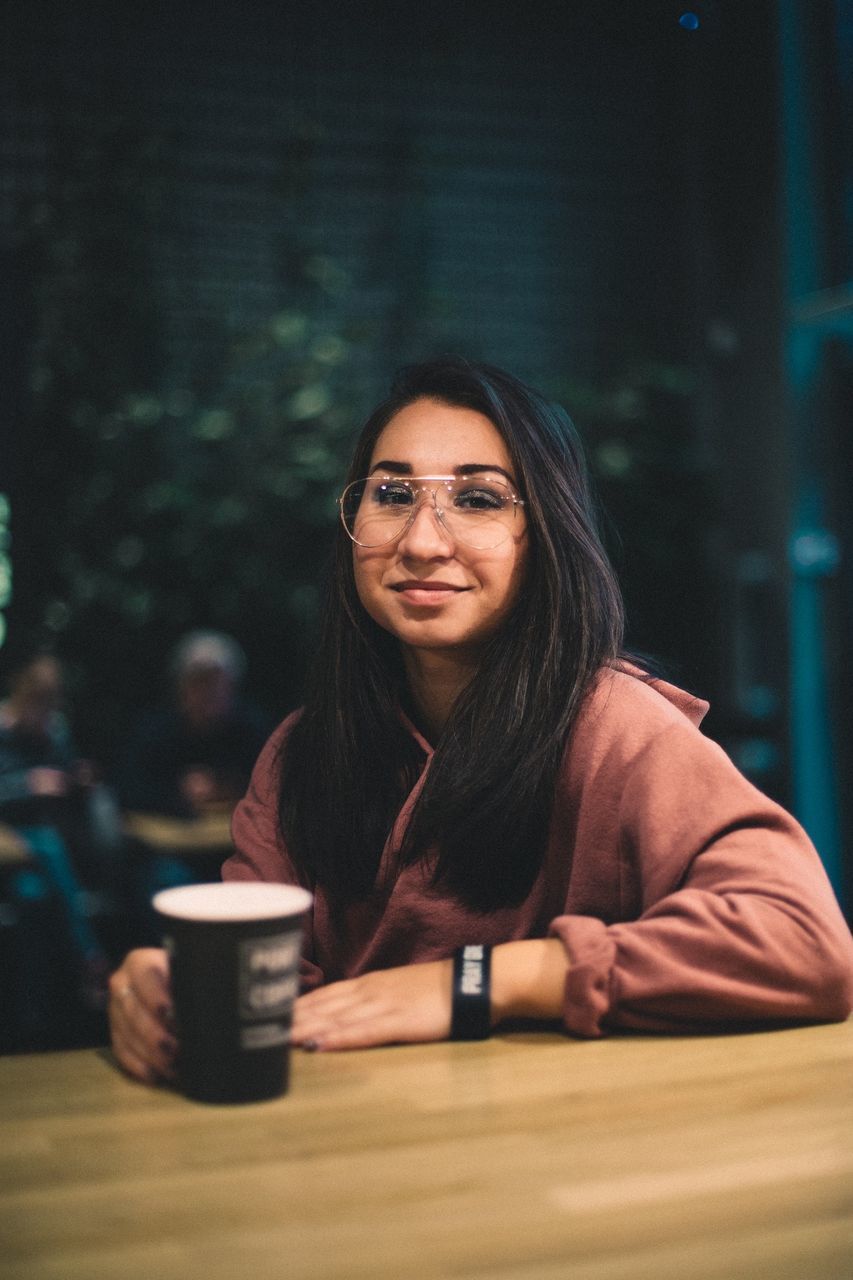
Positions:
{"x": 233, "y": 901}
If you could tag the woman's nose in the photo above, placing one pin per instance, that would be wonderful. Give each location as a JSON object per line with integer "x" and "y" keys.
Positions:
{"x": 426, "y": 536}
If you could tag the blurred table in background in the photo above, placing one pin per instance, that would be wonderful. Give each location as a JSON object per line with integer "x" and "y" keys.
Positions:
{"x": 170, "y": 851}
{"x": 190, "y": 848}
{"x": 203, "y": 837}
{"x": 524, "y": 1157}
{"x": 14, "y": 853}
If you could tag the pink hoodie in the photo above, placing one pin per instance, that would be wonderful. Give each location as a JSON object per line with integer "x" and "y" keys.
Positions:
{"x": 685, "y": 898}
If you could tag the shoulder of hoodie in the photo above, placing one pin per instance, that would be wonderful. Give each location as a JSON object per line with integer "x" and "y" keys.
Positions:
{"x": 276, "y": 741}
{"x": 628, "y": 708}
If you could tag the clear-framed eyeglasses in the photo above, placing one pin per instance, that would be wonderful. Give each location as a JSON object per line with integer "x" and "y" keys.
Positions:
{"x": 479, "y": 510}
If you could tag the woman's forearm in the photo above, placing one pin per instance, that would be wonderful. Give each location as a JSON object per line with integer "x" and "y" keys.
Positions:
{"x": 528, "y": 979}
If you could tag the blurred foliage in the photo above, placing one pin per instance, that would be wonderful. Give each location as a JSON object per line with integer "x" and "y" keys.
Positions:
{"x": 652, "y": 482}
{"x": 161, "y": 499}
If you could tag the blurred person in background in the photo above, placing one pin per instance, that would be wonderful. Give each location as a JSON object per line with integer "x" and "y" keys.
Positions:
{"x": 56, "y": 804}
{"x": 196, "y": 754}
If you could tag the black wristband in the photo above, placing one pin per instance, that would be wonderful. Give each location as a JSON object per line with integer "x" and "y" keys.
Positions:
{"x": 471, "y": 1018}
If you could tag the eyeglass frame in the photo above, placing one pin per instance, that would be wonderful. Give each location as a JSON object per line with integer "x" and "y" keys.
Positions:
{"x": 447, "y": 480}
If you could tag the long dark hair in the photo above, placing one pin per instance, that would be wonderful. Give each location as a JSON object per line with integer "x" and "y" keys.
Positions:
{"x": 480, "y": 824}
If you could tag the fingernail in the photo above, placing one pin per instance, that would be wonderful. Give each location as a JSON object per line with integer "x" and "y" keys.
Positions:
{"x": 310, "y": 1046}
{"x": 168, "y": 1047}
{"x": 167, "y": 1016}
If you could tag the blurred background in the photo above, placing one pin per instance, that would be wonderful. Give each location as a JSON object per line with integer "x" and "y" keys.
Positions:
{"x": 223, "y": 227}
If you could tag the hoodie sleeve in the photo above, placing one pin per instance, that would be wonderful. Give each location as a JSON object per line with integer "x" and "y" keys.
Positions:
{"x": 737, "y": 922}
{"x": 259, "y": 849}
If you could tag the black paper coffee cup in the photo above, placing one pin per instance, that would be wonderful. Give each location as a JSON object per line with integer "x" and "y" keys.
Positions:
{"x": 234, "y": 962}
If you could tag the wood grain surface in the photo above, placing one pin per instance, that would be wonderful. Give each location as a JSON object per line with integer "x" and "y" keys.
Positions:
{"x": 526, "y": 1157}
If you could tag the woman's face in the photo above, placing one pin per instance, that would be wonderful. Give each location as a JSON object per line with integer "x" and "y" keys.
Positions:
{"x": 429, "y": 590}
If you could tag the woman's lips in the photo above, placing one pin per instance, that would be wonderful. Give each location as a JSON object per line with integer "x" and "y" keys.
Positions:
{"x": 427, "y": 592}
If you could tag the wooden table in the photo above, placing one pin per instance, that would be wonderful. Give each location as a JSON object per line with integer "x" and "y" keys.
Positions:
{"x": 527, "y": 1157}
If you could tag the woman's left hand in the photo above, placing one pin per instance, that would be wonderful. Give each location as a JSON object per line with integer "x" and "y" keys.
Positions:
{"x": 388, "y": 1006}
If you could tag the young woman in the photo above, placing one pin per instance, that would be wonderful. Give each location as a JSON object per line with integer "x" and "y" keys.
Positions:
{"x": 498, "y": 814}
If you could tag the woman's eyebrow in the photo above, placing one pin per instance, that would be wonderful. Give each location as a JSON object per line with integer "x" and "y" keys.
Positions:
{"x": 466, "y": 469}
{"x": 471, "y": 468}
{"x": 388, "y": 464}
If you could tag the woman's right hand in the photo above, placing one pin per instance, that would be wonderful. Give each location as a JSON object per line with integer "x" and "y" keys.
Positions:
{"x": 141, "y": 1018}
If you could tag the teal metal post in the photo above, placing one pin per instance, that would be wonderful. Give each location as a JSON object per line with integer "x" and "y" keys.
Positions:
{"x": 813, "y": 548}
